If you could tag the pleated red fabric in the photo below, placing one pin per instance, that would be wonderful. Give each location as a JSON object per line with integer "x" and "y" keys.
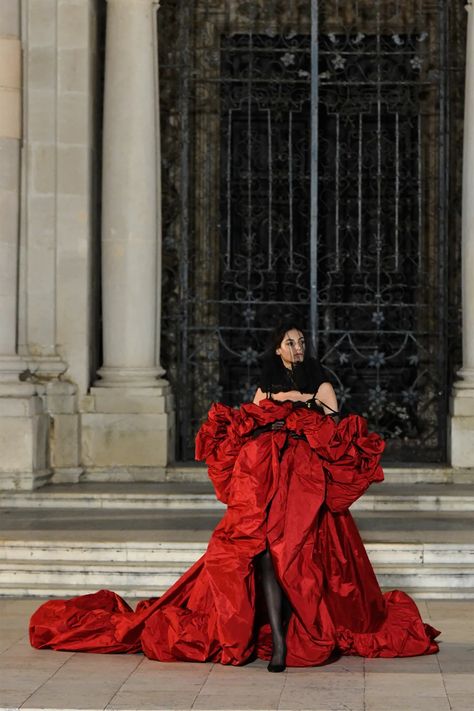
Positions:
{"x": 288, "y": 490}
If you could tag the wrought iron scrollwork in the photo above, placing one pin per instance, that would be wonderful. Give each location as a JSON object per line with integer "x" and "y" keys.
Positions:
{"x": 236, "y": 129}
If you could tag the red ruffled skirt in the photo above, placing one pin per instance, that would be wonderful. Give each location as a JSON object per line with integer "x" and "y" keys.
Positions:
{"x": 287, "y": 490}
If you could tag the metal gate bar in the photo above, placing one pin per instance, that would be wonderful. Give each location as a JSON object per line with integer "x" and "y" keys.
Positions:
{"x": 352, "y": 239}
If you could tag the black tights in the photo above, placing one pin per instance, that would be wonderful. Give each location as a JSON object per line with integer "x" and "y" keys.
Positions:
{"x": 277, "y": 607}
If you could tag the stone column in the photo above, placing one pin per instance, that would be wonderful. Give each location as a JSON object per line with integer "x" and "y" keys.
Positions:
{"x": 10, "y": 135}
{"x": 128, "y": 427}
{"x": 23, "y": 425}
{"x": 462, "y": 399}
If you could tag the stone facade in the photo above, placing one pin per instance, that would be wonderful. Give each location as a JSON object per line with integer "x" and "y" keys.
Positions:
{"x": 52, "y": 425}
{"x": 73, "y": 250}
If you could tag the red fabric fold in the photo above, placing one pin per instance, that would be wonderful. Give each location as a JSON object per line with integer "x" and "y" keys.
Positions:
{"x": 282, "y": 492}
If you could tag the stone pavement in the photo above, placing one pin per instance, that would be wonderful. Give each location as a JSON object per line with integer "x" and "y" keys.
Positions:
{"x": 32, "y": 679}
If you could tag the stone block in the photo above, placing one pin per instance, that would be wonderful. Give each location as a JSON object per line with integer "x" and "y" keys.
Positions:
{"x": 118, "y": 440}
{"x": 7, "y": 294}
{"x": 130, "y": 400}
{"x": 74, "y": 125}
{"x": 61, "y": 397}
{"x": 462, "y": 403}
{"x": 123, "y": 475}
{"x": 41, "y": 118}
{"x": 41, "y": 213}
{"x": 73, "y": 177}
{"x": 9, "y": 159}
{"x": 87, "y": 403}
{"x": 41, "y": 298}
{"x": 9, "y": 212}
{"x": 10, "y": 63}
{"x": 65, "y": 475}
{"x": 65, "y": 441}
{"x": 10, "y": 17}
{"x": 73, "y": 70}
{"x": 16, "y": 442}
{"x": 43, "y": 167}
{"x": 461, "y": 438}
{"x": 41, "y": 67}
{"x": 20, "y": 406}
{"x": 10, "y": 113}
{"x": 73, "y": 221}
{"x": 42, "y": 23}
{"x": 24, "y": 446}
{"x": 73, "y": 24}
{"x": 24, "y": 480}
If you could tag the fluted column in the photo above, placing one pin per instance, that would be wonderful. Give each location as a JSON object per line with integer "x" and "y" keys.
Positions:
{"x": 462, "y": 401}
{"x": 127, "y": 430}
{"x": 130, "y": 197}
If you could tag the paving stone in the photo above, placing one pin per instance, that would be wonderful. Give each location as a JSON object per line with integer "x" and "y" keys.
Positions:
{"x": 459, "y": 684}
{"x": 335, "y": 698}
{"x": 244, "y": 701}
{"x": 63, "y": 680}
{"x": 420, "y": 685}
{"x": 157, "y": 699}
{"x": 461, "y": 702}
{"x": 391, "y": 701}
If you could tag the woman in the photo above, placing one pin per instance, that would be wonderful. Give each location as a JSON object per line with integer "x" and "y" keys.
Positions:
{"x": 285, "y": 576}
{"x": 288, "y": 376}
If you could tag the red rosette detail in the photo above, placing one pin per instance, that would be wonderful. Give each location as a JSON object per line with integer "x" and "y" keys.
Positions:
{"x": 351, "y": 456}
{"x": 218, "y": 444}
{"x": 213, "y": 430}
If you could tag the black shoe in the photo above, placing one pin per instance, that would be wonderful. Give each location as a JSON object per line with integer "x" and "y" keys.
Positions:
{"x": 276, "y": 667}
{"x": 280, "y": 665}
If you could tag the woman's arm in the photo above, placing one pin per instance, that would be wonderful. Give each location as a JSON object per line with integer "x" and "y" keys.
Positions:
{"x": 259, "y": 395}
{"x": 326, "y": 396}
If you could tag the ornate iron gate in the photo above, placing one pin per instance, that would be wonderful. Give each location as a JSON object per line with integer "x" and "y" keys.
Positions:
{"x": 305, "y": 174}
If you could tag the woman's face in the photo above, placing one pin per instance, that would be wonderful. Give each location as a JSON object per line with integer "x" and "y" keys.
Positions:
{"x": 291, "y": 349}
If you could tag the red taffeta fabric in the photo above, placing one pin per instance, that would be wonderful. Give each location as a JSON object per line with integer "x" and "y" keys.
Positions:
{"x": 285, "y": 492}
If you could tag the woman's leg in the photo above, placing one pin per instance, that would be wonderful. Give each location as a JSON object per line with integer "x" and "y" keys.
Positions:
{"x": 275, "y": 601}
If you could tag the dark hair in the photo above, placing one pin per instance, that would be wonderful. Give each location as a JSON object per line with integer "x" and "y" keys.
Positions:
{"x": 278, "y": 334}
{"x": 275, "y": 377}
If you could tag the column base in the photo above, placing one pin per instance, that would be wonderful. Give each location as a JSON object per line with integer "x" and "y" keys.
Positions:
{"x": 128, "y": 377}
{"x": 65, "y": 426}
{"x": 65, "y": 475}
{"x": 461, "y": 421}
{"x": 124, "y": 475}
{"x": 127, "y": 429}
{"x": 24, "y": 430}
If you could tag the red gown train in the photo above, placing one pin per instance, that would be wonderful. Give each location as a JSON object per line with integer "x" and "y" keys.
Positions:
{"x": 288, "y": 490}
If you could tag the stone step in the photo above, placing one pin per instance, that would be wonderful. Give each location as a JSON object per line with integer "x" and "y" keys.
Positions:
{"x": 141, "y": 552}
{"x": 185, "y": 495}
{"x": 394, "y": 474}
{"x": 178, "y": 553}
{"x": 39, "y": 590}
{"x": 94, "y": 575}
{"x": 146, "y": 576}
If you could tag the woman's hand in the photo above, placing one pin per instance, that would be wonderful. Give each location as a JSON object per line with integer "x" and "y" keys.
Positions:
{"x": 278, "y": 424}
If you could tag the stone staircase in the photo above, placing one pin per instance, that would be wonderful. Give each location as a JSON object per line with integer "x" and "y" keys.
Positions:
{"x": 137, "y": 539}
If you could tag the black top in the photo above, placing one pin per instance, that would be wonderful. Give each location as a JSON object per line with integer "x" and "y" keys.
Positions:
{"x": 306, "y": 377}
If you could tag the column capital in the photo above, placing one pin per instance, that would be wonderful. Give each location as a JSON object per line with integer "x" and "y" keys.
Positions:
{"x": 468, "y": 5}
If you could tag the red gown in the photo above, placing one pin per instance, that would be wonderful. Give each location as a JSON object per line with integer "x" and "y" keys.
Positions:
{"x": 288, "y": 490}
